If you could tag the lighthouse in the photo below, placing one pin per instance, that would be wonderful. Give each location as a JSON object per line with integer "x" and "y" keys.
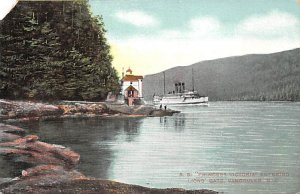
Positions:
{"x": 132, "y": 88}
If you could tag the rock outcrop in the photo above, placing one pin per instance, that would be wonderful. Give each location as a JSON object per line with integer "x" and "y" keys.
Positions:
{"x": 10, "y": 133}
{"x": 29, "y": 150}
{"x": 84, "y": 108}
{"x": 20, "y": 110}
{"x": 55, "y": 179}
{"x": 53, "y": 170}
{"x": 142, "y": 110}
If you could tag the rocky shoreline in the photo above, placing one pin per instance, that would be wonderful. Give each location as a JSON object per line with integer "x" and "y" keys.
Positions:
{"x": 53, "y": 169}
{"x": 25, "y": 110}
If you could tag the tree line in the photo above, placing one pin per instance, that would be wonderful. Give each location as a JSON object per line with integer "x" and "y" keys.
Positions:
{"x": 55, "y": 50}
{"x": 265, "y": 77}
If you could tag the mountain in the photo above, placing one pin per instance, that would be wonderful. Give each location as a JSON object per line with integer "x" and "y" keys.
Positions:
{"x": 273, "y": 77}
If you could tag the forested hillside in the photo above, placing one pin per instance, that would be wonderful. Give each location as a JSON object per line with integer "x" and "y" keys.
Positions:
{"x": 251, "y": 77}
{"x": 53, "y": 50}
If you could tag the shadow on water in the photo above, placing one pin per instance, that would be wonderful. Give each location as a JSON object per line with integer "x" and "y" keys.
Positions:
{"x": 90, "y": 137}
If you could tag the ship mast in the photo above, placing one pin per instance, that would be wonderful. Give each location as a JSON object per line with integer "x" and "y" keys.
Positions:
{"x": 164, "y": 83}
{"x": 193, "y": 84}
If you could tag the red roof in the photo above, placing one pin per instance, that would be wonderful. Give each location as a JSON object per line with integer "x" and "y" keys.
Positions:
{"x": 132, "y": 78}
{"x": 130, "y": 88}
{"x": 129, "y": 71}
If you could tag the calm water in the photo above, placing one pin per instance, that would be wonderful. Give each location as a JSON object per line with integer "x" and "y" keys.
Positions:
{"x": 229, "y": 139}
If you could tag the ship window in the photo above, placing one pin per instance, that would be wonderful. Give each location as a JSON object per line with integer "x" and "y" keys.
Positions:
{"x": 130, "y": 82}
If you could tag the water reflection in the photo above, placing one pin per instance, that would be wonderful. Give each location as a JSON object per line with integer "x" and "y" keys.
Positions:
{"x": 91, "y": 137}
{"x": 225, "y": 137}
{"x": 177, "y": 122}
{"x": 131, "y": 129}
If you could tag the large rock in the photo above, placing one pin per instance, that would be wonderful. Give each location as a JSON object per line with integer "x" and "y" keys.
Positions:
{"x": 56, "y": 179}
{"x": 5, "y": 137}
{"x": 120, "y": 108}
{"x": 11, "y": 129}
{"x": 32, "y": 151}
{"x": 22, "y": 109}
{"x": 84, "y": 108}
{"x": 10, "y": 133}
{"x": 141, "y": 110}
{"x": 5, "y": 107}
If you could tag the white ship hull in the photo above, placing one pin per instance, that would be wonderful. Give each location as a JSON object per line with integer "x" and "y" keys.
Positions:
{"x": 181, "y": 100}
{"x": 184, "y": 98}
{"x": 180, "y": 96}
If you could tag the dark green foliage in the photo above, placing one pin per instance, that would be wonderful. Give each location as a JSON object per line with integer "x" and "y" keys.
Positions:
{"x": 55, "y": 50}
{"x": 251, "y": 77}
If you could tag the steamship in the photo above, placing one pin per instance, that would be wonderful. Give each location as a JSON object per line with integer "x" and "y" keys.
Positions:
{"x": 181, "y": 96}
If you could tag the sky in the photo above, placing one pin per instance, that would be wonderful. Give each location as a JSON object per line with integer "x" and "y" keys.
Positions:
{"x": 150, "y": 36}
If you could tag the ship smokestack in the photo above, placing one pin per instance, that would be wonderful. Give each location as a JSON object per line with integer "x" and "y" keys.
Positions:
{"x": 180, "y": 89}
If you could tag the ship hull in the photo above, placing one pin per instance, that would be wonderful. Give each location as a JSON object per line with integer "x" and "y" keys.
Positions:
{"x": 181, "y": 100}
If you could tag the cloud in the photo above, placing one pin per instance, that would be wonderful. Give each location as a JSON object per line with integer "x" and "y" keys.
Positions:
{"x": 206, "y": 38}
{"x": 275, "y": 23}
{"x": 204, "y": 25}
{"x": 137, "y": 18}
{"x": 196, "y": 28}
{"x": 150, "y": 55}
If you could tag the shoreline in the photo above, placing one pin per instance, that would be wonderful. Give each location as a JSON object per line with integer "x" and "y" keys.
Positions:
{"x": 52, "y": 169}
{"x": 14, "y": 111}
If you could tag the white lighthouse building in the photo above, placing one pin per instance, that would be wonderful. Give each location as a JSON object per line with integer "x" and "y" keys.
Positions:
{"x": 132, "y": 87}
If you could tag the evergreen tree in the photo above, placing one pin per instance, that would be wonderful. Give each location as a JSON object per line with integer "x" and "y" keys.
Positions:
{"x": 55, "y": 50}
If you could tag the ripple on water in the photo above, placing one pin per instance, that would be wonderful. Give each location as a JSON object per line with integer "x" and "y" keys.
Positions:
{"x": 223, "y": 137}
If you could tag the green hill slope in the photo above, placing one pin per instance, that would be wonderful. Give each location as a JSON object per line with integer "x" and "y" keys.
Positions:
{"x": 251, "y": 77}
